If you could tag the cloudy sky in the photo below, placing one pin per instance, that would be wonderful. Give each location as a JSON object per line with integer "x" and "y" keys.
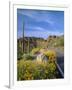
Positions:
{"x": 40, "y": 23}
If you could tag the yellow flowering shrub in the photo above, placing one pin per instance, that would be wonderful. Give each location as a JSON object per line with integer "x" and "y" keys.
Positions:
{"x": 32, "y": 70}
{"x": 51, "y": 55}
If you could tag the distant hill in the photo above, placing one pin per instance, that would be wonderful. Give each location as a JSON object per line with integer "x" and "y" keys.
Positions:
{"x": 33, "y": 42}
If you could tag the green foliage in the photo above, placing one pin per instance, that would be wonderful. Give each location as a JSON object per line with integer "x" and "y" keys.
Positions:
{"x": 62, "y": 41}
{"x": 51, "y": 68}
{"x": 19, "y": 52}
{"x": 32, "y": 70}
{"x": 35, "y": 50}
{"x": 28, "y": 57}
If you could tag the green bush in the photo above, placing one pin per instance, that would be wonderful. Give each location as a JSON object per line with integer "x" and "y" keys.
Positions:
{"x": 28, "y": 57}
{"x": 35, "y": 50}
{"x": 32, "y": 70}
{"x": 60, "y": 42}
{"x": 19, "y": 52}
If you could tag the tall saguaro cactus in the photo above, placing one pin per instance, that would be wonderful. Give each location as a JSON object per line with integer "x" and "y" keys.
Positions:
{"x": 24, "y": 42}
{"x": 23, "y": 37}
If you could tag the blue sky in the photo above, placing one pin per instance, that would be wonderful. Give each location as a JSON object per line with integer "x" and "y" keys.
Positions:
{"x": 40, "y": 23}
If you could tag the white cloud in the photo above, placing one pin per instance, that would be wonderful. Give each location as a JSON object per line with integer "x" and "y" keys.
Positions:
{"x": 35, "y": 28}
{"x": 41, "y": 32}
{"x": 40, "y": 29}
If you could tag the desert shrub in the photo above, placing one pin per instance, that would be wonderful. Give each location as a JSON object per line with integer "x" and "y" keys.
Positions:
{"x": 51, "y": 55}
{"x": 35, "y": 50}
{"x": 51, "y": 70}
{"x": 19, "y": 52}
{"x": 62, "y": 42}
{"x": 28, "y": 57}
{"x": 32, "y": 70}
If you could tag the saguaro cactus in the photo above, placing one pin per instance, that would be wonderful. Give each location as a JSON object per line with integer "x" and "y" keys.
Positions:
{"x": 23, "y": 37}
{"x": 24, "y": 41}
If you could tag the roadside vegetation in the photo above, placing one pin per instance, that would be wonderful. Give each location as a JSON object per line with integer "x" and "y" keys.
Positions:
{"x": 39, "y": 61}
{"x": 33, "y": 70}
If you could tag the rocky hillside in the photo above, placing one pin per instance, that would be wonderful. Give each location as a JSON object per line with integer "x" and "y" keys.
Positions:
{"x": 55, "y": 41}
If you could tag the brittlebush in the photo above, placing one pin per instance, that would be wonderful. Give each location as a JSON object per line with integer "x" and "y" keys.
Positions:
{"x": 32, "y": 70}
{"x": 51, "y": 55}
